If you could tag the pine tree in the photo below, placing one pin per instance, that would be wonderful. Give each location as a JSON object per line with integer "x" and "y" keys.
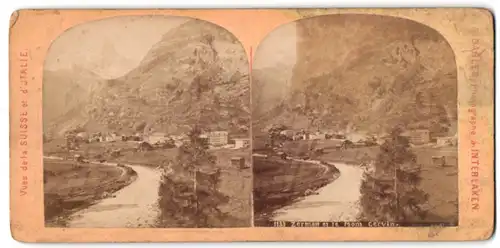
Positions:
{"x": 185, "y": 197}
{"x": 389, "y": 190}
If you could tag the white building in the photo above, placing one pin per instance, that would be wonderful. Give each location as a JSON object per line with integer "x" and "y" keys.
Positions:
{"x": 178, "y": 143}
{"x": 287, "y": 133}
{"x": 317, "y": 136}
{"x": 446, "y": 141}
{"x": 356, "y": 137}
{"x": 218, "y": 138}
{"x": 111, "y": 137}
{"x": 241, "y": 143}
{"x": 179, "y": 140}
{"x": 157, "y": 137}
{"x": 418, "y": 137}
{"x": 82, "y": 136}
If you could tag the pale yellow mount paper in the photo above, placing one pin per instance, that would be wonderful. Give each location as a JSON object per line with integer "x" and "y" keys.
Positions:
{"x": 468, "y": 31}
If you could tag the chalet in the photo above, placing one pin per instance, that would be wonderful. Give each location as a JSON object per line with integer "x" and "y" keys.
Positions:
{"x": 204, "y": 137}
{"x": 317, "y": 136}
{"x": 218, "y": 138}
{"x": 288, "y": 134}
{"x": 241, "y": 142}
{"x": 439, "y": 160}
{"x": 96, "y": 137}
{"x": 112, "y": 137}
{"x": 179, "y": 140}
{"x": 302, "y": 135}
{"x": 82, "y": 136}
{"x": 418, "y": 136}
{"x": 446, "y": 141}
{"x": 445, "y": 160}
{"x": 157, "y": 137}
{"x": 357, "y": 137}
{"x": 238, "y": 162}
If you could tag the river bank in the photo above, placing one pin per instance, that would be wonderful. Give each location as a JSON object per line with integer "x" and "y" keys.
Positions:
{"x": 279, "y": 183}
{"x": 134, "y": 206}
{"x": 70, "y": 186}
{"x": 337, "y": 201}
{"x": 235, "y": 180}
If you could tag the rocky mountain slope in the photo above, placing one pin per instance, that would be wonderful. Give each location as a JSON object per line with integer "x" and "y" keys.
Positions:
{"x": 196, "y": 74}
{"x": 365, "y": 72}
{"x": 65, "y": 92}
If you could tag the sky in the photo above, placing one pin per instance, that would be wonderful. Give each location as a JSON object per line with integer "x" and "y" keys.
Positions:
{"x": 277, "y": 49}
{"x": 113, "y": 46}
{"x": 110, "y": 47}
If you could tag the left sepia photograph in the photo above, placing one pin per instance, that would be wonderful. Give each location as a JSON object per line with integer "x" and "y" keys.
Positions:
{"x": 146, "y": 123}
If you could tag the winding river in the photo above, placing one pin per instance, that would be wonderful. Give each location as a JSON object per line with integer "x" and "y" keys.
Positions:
{"x": 135, "y": 205}
{"x": 337, "y": 201}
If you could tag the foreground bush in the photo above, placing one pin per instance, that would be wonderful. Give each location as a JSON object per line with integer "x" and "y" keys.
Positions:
{"x": 390, "y": 187}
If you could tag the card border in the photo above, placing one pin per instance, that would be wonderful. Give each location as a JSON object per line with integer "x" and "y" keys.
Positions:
{"x": 32, "y": 32}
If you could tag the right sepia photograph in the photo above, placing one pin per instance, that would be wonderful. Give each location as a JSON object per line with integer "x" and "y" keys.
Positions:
{"x": 354, "y": 123}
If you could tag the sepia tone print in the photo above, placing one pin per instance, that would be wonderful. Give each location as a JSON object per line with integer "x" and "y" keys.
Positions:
{"x": 354, "y": 123}
{"x": 146, "y": 124}
{"x": 349, "y": 128}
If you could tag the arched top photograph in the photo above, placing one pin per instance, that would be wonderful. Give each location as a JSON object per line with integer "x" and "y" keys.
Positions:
{"x": 366, "y": 102}
{"x": 138, "y": 113}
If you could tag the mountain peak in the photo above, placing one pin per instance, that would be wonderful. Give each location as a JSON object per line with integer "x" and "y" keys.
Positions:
{"x": 196, "y": 74}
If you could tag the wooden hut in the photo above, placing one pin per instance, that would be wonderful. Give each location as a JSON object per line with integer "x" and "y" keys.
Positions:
{"x": 238, "y": 162}
{"x": 439, "y": 160}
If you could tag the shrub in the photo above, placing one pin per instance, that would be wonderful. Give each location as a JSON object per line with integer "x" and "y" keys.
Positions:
{"x": 185, "y": 199}
{"x": 389, "y": 190}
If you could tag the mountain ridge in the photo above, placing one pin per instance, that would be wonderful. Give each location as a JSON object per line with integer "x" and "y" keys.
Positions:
{"x": 201, "y": 78}
{"x": 371, "y": 77}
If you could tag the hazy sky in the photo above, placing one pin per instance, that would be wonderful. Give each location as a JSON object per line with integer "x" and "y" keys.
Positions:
{"x": 109, "y": 47}
{"x": 278, "y": 47}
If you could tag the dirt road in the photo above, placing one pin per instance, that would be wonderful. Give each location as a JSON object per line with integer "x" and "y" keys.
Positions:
{"x": 132, "y": 206}
{"x": 337, "y": 201}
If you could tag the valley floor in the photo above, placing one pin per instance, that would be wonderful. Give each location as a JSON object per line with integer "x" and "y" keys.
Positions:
{"x": 235, "y": 181}
{"x": 279, "y": 183}
{"x": 440, "y": 182}
{"x": 70, "y": 186}
{"x": 133, "y": 206}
